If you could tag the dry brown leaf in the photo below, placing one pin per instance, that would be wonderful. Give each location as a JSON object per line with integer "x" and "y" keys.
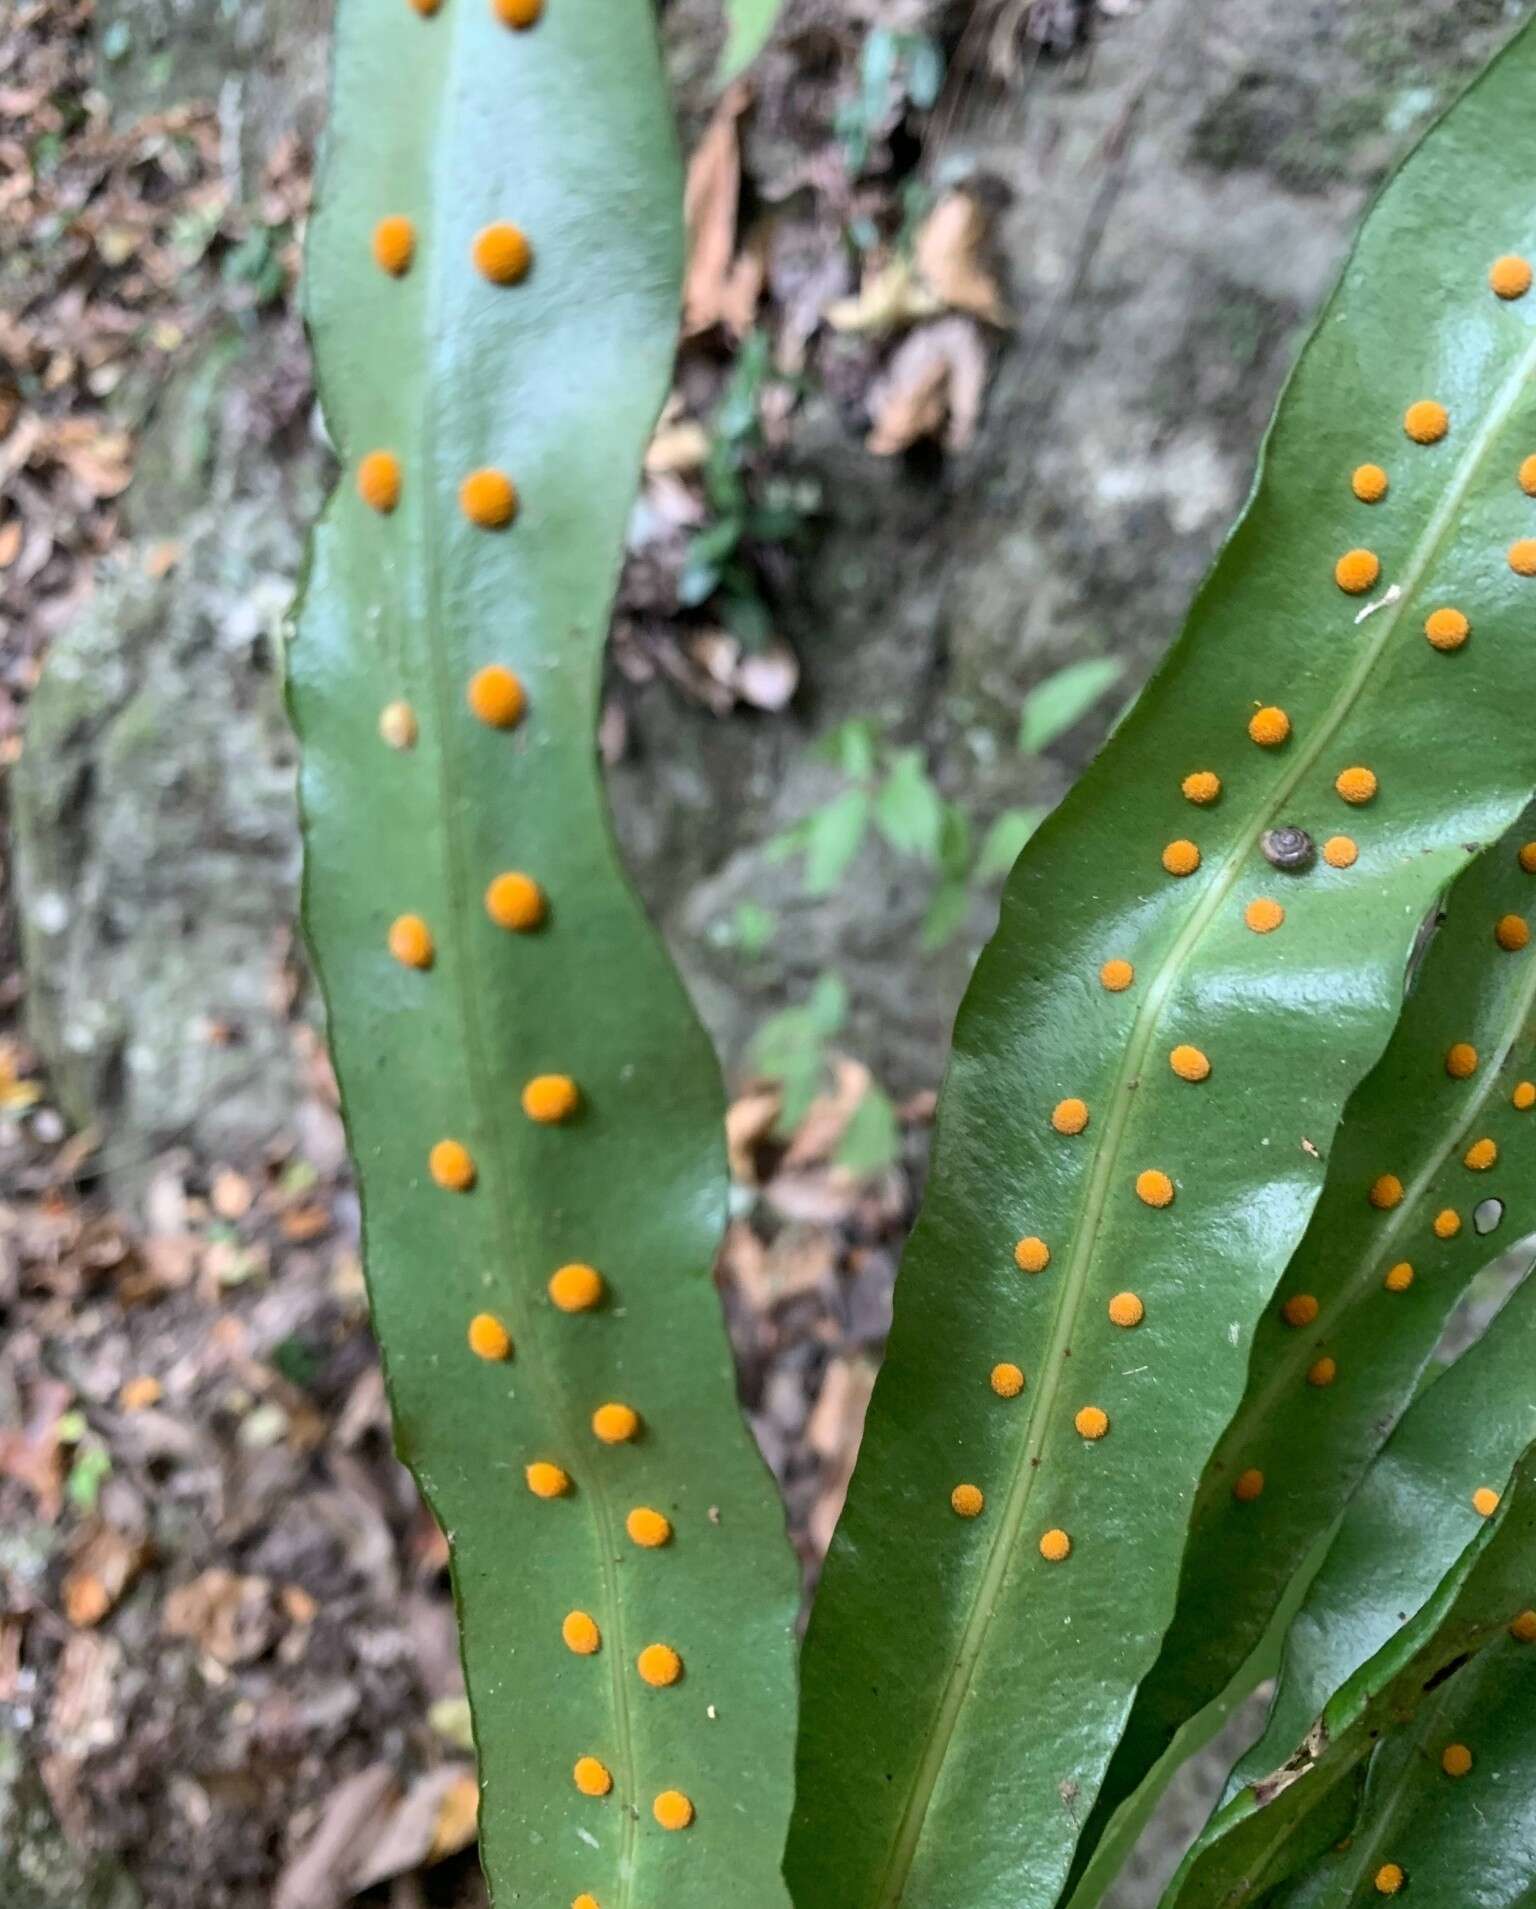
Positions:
{"x": 679, "y": 446}
{"x": 828, "y": 1115}
{"x": 889, "y": 298}
{"x": 743, "y": 1264}
{"x": 104, "y": 1564}
{"x": 435, "y": 1818}
{"x": 742, "y": 292}
{"x": 748, "y": 1121}
{"x": 823, "y": 1196}
{"x": 948, "y": 255}
{"x": 710, "y": 199}
{"x": 231, "y": 1194}
{"x": 800, "y": 1259}
{"x": 228, "y": 1616}
{"x": 138, "y": 1394}
{"x": 102, "y": 461}
{"x": 764, "y": 679}
{"x": 319, "y": 1875}
{"x": 833, "y": 1432}
{"x": 933, "y": 386}
{"x": 29, "y": 1452}
{"x": 305, "y": 1222}
{"x": 457, "y": 1817}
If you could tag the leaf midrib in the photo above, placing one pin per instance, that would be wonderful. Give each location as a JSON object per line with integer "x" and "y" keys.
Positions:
{"x": 491, "y": 1097}
{"x": 1075, "y": 1278}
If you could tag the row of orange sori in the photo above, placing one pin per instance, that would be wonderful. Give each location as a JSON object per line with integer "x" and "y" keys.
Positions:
{"x": 1302, "y": 1310}
{"x": 516, "y": 902}
{"x": 1425, "y": 422}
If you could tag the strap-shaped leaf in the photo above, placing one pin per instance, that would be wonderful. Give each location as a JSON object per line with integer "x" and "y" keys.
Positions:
{"x": 1418, "y": 1508}
{"x": 1434, "y": 1557}
{"x": 1270, "y": 1831}
{"x": 1357, "y": 1316}
{"x": 535, "y": 1114}
{"x": 1449, "y": 1810}
{"x": 966, "y": 1677}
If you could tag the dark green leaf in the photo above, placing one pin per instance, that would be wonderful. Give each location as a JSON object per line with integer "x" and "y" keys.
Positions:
{"x": 1407, "y": 1524}
{"x": 1414, "y": 1119}
{"x": 1287, "y": 1819}
{"x": 454, "y": 121}
{"x": 1468, "y": 1839}
{"x": 962, "y": 1696}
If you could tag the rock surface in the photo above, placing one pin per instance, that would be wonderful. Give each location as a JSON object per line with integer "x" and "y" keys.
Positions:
{"x": 155, "y": 813}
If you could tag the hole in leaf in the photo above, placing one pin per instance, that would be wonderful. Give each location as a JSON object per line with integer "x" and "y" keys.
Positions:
{"x": 1486, "y": 1215}
{"x": 1447, "y": 1670}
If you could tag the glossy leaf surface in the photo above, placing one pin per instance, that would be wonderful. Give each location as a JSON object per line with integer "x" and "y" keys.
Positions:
{"x": 456, "y": 122}
{"x": 1408, "y": 1523}
{"x": 1458, "y": 1837}
{"x": 1456, "y": 1073}
{"x": 963, "y": 1694}
{"x": 1415, "y": 1582}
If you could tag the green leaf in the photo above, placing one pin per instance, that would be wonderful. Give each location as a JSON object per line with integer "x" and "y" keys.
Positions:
{"x": 1405, "y": 1527}
{"x": 1270, "y": 1830}
{"x": 945, "y": 915}
{"x": 872, "y": 1139}
{"x": 91, "y": 1469}
{"x": 1414, "y": 1583}
{"x": 851, "y": 745}
{"x": 791, "y": 1048}
{"x": 952, "y": 1743}
{"x": 955, "y": 842}
{"x": 751, "y": 928}
{"x": 1003, "y": 843}
{"x": 833, "y": 835}
{"x": 827, "y": 1008}
{"x": 1059, "y": 703}
{"x": 454, "y": 121}
{"x": 750, "y": 21}
{"x": 1410, "y": 1117}
{"x": 909, "y": 811}
{"x": 1455, "y": 1839}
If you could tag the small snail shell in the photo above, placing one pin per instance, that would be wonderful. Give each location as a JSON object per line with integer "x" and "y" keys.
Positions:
{"x": 1288, "y": 848}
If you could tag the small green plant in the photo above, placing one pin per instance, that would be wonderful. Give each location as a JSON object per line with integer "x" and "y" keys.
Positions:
{"x": 793, "y": 1049}
{"x": 746, "y": 510}
{"x": 891, "y": 794}
{"x": 896, "y": 69}
{"x": 1234, "y": 1119}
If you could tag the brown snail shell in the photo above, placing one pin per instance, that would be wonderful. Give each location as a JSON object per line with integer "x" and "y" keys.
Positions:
{"x": 1288, "y": 848}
